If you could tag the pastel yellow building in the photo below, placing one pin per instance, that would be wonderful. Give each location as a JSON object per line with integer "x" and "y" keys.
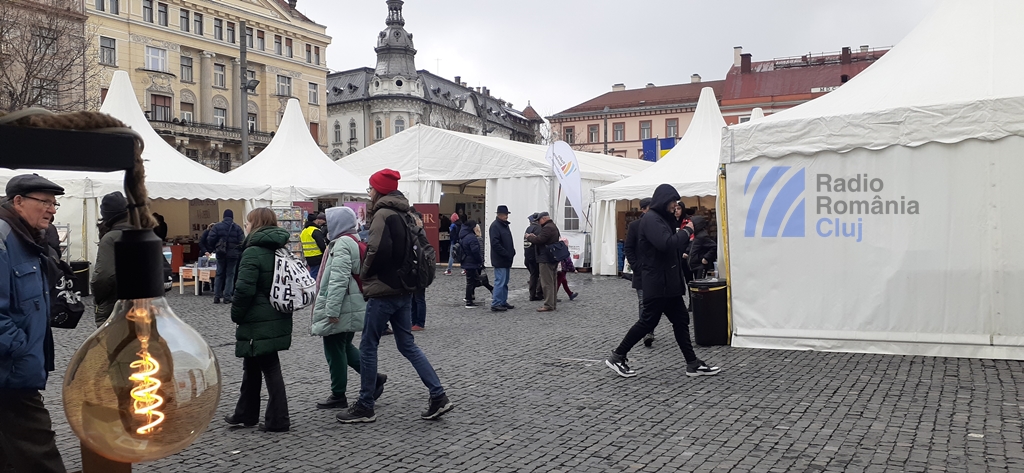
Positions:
{"x": 183, "y": 59}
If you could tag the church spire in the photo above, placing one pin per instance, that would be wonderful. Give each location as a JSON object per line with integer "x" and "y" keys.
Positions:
{"x": 395, "y": 13}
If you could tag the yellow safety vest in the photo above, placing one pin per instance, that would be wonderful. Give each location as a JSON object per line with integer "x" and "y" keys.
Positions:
{"x": 309, "y": 247}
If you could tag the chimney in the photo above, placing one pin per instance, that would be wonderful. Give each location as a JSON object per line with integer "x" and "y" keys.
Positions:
{"x": 291, "y": 3}
{"x": 695, "y": 78}
{"x": 745, "y": 63}
{"x": 487, "y": 91}
{"x": 478, "y": 90}
{"x": 863, "y": 48}
{"x": 463, "y": 84}
{"x": 845, "y": 57}
{"x": 736, "y": 52}
{"x": 618, "y": 87}
{"x": 458, "y": 79}
{"x": 650, "y": 85}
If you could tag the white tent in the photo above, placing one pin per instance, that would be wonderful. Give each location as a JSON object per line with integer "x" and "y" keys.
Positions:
{"x": 295, "y": 166}
{"x": 169, "y": 175}
{"x": 883, "y": 217}
{"x": 515, "y": 174}
{"x": 691, "y": 167}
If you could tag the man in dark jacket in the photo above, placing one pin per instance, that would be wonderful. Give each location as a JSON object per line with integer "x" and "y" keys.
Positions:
{"x": 703, "y": 249}
{"x": 161, "y": 227}
{"x": 629, "y": 248}
{"x": 472, "y": 260}
{"x": 547, "y": 235}
{"x": 389, "y": 300}
{"x": 530, "y": 257}
{"x": 27, "y": 440}
{"x": 503, "y": 251}
{"x": 226, "y": 240}
{"x": 659, "y": 250}
{"x": 114, "y": 213}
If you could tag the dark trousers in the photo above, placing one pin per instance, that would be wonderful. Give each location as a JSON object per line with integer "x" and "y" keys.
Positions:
{"x": 536, "y": 292}
{"x": 341, "y": 355}
{"x": 254, "y": 370}
{"x": 27, "y": 441}
{"x": 472, "y": 281}
{"x": 419, "y": 308}
{"x": 675, "y": 310}
{"x": 224, "y": 281}
{"x": 563, "y": 282}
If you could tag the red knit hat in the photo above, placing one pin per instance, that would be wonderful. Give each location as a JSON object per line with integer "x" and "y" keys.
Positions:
{"x": 385, "y": 181}
{"x": 455, "y": 217}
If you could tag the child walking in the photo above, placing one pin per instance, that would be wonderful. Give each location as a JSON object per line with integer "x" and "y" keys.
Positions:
{"x": 566, "y": 266}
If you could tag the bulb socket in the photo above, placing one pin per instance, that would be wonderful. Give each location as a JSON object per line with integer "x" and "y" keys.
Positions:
{"x": 139, "y": 265}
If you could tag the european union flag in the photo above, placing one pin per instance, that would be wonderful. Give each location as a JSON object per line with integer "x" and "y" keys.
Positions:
{"x": 650, "y": 149}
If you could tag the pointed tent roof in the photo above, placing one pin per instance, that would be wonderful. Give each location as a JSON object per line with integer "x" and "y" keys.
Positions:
{"x": 295, "y": 166}
{"x": 432, "y": 154}
{"x": 953, "y": 78}
{"x": 756, "y": 114}
{"x": 692, "y": 164}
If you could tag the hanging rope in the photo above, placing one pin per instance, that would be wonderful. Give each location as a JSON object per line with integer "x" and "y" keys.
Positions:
{"x": 134, "y": 179}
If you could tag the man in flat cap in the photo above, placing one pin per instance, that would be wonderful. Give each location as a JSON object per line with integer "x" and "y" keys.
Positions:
{"x": 26, "y": 343}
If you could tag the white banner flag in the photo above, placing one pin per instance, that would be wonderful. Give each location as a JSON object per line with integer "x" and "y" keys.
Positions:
{"x": 567, "y": 169}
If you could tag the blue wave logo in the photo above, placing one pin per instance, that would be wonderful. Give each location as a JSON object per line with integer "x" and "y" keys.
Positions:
{"x": 787, "y": 202}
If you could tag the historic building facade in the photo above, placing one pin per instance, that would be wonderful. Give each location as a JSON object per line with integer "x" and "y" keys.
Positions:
{"x": 367, "y": 105}
{"x": 183, "y": 59}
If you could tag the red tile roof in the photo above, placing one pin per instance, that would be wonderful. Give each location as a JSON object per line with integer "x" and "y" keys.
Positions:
{"x": 531, "y": 114}
{"x": 793, "y": 76}
{"x": 284, "y": 4}
{"x": 650, "y": 96}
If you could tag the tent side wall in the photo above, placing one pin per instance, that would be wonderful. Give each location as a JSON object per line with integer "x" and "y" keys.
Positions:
{"x": 893, "y": 260}
{"x": 523, "y": 196}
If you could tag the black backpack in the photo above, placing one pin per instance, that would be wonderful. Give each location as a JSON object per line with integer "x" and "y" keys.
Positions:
{"x": 419, "y": 265}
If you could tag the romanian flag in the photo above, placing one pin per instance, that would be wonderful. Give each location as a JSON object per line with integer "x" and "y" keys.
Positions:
{"x": 666, "y": 145}
{"x": 650, "y": 149}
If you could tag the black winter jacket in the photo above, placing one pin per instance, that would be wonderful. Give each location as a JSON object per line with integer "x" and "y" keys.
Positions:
{"x": 503, "y": 250}
{"x": 472, "y": 253}
{"x": 386, "y": 246}
{"x": 529, "y": 253}
{"x": 548, "y": 234}
{"x": 629, "y": 248}
{"x": 702, "y": 246}
{"x": 660, "y": 247}
{"x": 231, "y": 234}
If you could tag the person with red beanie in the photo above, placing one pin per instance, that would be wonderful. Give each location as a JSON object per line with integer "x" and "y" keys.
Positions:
{"x": 389, "y": 300}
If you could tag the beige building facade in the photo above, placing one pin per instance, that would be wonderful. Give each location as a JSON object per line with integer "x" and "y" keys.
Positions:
{"x": 183, "y": 59}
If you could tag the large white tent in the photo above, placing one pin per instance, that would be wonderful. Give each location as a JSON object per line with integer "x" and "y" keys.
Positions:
{"x": 884, "y": 217}
{"x": 515, "y": 174}
{"x": 169, "y": 175}
{"x": 691, "y": 167}
{"x": 295, "y": 166}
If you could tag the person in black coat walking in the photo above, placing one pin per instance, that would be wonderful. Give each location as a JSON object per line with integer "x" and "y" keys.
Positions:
{"x": 226, "y": 240}
{"x": 503, "y": 251}
{"x": 530, "y": 257}
{"x": 629, "y": 248}
{"x": 472, "y": 260}
{"x": 546, "y": 235}
{"x": 659, "y": 250}
{"x": 703, "y": 249}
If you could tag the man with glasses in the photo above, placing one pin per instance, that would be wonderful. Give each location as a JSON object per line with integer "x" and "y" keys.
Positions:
{"x": 26, "y": 343}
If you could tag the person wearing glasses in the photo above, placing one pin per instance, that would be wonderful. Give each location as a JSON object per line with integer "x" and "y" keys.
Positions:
{"x": 27, "y": 440}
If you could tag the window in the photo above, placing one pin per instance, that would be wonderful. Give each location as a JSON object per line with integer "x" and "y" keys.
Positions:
{"x": 745, "y": 119}
{"x": 108, "y": 51}
{"x": 187, "y": 110}
{"x": 645, "y": 130}
{"x": 156, "y": 59}
{"x": 314, "y": 93}
{"x": 186, "y": 69}
{"x": 250, "y": 75}
{"x": 261, "y": 42}
{"x": 399, "y": 125}
{"x": 218, "y": 29}
{"x": 197, "y": 23}
{"x": 45, "y": 92}
{"x": 309, "y": 54}
{"x": 671, "y": 127}
{"x": 103, "y": 95}
{"x": 569, "y": 133}
{"x": 288, "y": 47}
{"x": 99, "y": 5}
{"x": 220, "y": 116}
{"x": 218, "y": 75}
{"x": 594, "y": 133}
{"x": 571, "y": 221}
{"x": 183, "y": 20}
{"x": 277, "y": 45}
{"x": 160, "y": 108}
{"x": 618, "y": 132}
{"x": 115, "y": 7}
{"x": 248, "y": 38}
{"x": 378, "y": 130}
{"x": 161, "y": 14}
{"x": 284, "y": 86}
{"x": 337, "y": 132}
{"x": 147, "y": 10}
{"x": 192, "y": 154}
{"x": 225, "y": 162}
{"x": 231, "y": 32}
{"x": 45, "y": 40}
{"x": 314, "y": 129}
{"x": 251, "y": 119}
{"x": 316, "y": 55}
{"x": 352, "y": 130}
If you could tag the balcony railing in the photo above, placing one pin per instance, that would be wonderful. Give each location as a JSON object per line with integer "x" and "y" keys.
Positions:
{"x": 210, "y": 131}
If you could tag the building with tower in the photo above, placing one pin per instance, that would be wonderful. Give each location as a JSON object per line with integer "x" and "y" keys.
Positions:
{"x": 367, "y": 105}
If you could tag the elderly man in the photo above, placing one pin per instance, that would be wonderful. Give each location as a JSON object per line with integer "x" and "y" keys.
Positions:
{"x": 546, "y": 235}
{"x": 26, "y": 343}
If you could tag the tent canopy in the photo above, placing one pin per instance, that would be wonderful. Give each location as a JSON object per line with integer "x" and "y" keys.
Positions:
{"x": 911, "y": 96}
{"x": 692, "y": 164}
{"x": 295, "y": 166}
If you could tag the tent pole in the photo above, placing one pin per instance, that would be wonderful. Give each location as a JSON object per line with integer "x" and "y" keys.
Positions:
{"x": 723, "y": 213}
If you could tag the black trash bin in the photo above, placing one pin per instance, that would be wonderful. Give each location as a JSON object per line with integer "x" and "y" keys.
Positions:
{"x": 81, "y": 270}
{"x": 710, "y": 312}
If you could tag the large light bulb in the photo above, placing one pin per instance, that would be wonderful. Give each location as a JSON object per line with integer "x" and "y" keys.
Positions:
{"x": 144, "y": 385}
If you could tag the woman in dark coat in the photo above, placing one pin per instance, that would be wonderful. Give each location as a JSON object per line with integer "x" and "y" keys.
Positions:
{"x": 261, "y": 330}
{"x": 472, "y": 260}
{"x": 703, "y": 249}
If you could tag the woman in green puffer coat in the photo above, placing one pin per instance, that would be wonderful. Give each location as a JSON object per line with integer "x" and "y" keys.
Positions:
{"x": 262, "y": 331}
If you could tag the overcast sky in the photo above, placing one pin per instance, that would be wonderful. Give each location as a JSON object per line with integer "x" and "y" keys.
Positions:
{"x": 558, "y": 53}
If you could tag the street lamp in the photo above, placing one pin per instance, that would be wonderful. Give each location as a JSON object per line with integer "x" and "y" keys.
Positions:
{"x": 248, "y": 86}
{"x": 606, "y": 129}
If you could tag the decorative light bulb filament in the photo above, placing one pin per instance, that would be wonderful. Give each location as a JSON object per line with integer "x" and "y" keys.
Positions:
{"x": 146, "y": 385}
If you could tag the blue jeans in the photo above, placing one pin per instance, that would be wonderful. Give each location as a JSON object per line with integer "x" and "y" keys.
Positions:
{"x": 419, "y": 308}
{"x": 313, "y": 270}
{"x": 500, "y": 295}
{"x": 451, "y": 260}
{"x": 397, "y": 310}
{"x": 224, "y": 282}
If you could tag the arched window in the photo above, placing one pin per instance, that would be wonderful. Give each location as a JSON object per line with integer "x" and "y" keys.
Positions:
{"x": 378, "y": 130}
{"x": 337, "y": 132}
{"x": 399, "y": 125}
{"x": 352, "y": 129}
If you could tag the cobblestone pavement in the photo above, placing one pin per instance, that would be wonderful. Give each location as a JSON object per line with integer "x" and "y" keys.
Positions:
{"x": 532, "y": 394}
